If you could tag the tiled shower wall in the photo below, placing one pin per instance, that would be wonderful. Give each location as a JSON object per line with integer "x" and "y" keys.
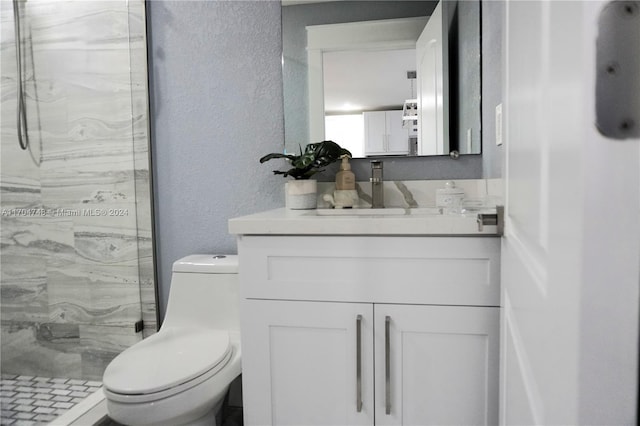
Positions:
{"x": 76, "y": 251}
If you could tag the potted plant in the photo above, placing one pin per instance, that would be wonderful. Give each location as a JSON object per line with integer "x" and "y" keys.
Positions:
{"x": 301, "y": 191}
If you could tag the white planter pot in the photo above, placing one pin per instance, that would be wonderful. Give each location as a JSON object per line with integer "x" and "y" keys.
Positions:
{"x": 301, "y": 194}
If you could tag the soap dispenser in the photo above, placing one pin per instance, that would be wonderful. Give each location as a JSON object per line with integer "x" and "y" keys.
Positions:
{"x": 346, "y": 195}
{"x": 345, "y": 179}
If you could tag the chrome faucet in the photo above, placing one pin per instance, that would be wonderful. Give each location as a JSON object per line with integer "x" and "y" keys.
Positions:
{"x": 377, "y": 190}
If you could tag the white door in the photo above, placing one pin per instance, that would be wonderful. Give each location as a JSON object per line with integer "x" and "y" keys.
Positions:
{"x": 300, "y": 363}
{"x": 436, "y": 365}
{"x": 433, "y": 93}
{"x": 571, "y": 250}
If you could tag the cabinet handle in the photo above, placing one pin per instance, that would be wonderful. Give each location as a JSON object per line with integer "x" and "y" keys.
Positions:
{"x": 359, "y": 363}
{"x": 387, "y": 365}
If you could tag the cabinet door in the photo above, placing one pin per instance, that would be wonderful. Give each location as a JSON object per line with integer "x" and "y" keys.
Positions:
{"x": 300, "y": 363}
{"x": 397, "y": 136}
{"x": 375, "y": 134}
{"x": 442, "y": 365}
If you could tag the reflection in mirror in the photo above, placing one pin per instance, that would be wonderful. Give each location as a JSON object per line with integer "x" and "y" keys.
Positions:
{"x": 363, "y": 67}
{"x": 354, "y": 114}
{"x": 350, "y": 70}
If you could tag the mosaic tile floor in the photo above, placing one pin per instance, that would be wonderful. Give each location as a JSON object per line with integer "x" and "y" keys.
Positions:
{"x": 29, "y": 400}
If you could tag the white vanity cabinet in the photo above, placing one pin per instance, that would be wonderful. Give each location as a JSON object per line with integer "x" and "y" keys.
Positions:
{"x": 363, "y": 330}
{"x": 384, "y": 134}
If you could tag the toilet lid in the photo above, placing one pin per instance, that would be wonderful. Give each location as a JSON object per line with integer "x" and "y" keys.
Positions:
{"x": 167, "y": 359}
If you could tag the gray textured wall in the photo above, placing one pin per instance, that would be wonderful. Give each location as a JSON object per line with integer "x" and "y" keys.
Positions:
{"x": 216, "y": 101}
{"x": 492, "y": 20}
{"x": 468, "y": 84}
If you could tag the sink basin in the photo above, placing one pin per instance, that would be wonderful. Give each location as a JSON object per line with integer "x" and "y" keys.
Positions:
{"x": 361, "y": 212}
{"x": 425, "y": 211}
{"x": 389, "y": 211}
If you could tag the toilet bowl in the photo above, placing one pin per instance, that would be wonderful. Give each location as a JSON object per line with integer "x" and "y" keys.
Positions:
{"x": 180, "y": 375}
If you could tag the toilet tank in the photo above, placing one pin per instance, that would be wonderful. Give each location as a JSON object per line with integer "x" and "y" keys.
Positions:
{"x": 204, "y": 293}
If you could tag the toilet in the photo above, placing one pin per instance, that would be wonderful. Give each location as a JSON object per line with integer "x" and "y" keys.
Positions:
{"x": 180, "y": 375}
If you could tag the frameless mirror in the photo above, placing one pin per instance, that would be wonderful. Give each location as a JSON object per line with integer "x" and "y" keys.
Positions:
{"x": 354, "y": 73}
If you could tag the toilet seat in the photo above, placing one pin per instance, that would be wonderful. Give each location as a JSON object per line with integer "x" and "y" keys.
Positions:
{"x": 162, "y": 365}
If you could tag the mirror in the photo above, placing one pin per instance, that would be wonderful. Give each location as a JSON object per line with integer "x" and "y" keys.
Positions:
{"x": 347, "y": 76}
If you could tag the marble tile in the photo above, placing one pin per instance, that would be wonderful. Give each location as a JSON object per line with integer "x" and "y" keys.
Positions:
{"x": 39, "y": 349}
{"x": 423, "y": 192}
{"x": 26, "y": 301}
{"x": 42, "y": 405}
{"x": 100, "y": 344}
{"x": 23, "y": 272}
{"x": 17, "y": 192}
{"x": 495, "y": 188}
{"x": 90, "y": 293}
{"x": 107, "y": 234}
{"x": 414, "y": 193}
{"x": 80, "y": 25}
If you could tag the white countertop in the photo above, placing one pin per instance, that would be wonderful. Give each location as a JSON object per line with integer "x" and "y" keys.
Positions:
{"x": 393, "y": 221}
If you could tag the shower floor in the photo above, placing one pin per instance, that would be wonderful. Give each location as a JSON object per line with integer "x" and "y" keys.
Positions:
{"x": 30, "y": 400}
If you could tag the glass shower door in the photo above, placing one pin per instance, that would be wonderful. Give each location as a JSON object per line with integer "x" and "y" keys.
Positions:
{"x": 76, "y": 255}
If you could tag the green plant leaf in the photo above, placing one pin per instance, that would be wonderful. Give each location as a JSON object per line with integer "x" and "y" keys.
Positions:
{"x": 276, "y": 155}
{"x": 315, "y": 157}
